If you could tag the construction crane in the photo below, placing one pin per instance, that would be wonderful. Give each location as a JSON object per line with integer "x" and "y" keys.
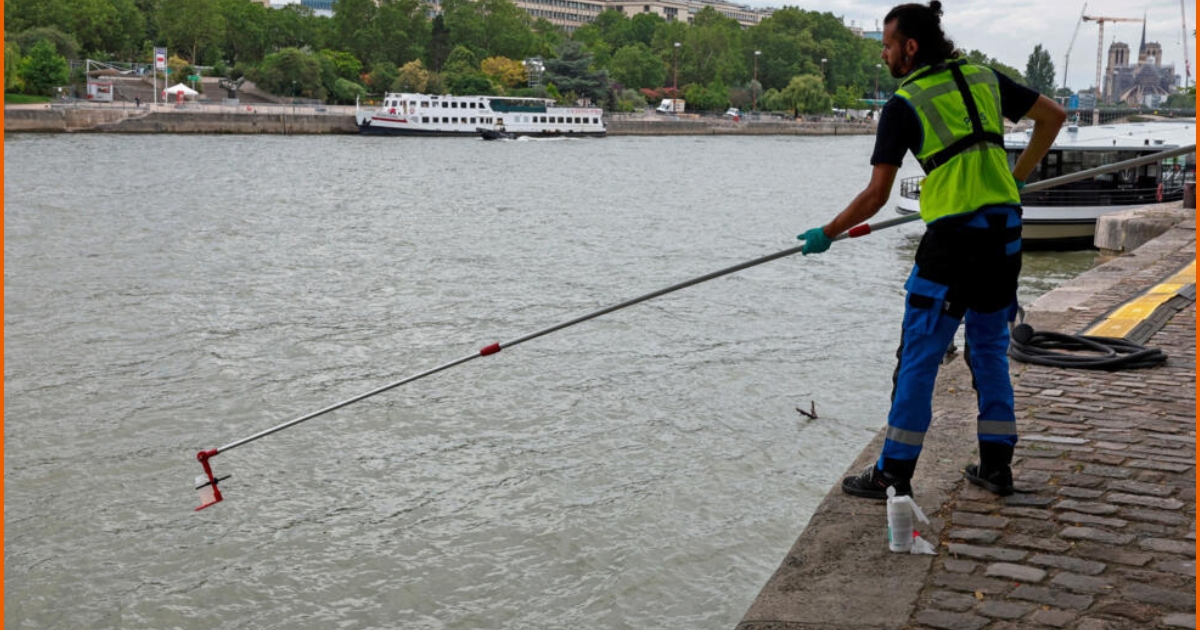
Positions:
{"x": 1187, "y": 65}
{"x": 1100, "y": 54}
{"x": 1067, "y": 60}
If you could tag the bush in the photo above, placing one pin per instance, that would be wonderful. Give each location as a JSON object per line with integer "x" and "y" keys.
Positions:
{"x": 43, "y": 69}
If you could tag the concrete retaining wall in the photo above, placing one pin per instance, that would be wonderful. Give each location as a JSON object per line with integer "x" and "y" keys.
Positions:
{"x": 286, "y": 120}
{"x": 653, "y": 127}
{"x": 142, "y": 120}
{"x": 1128, "y": 230}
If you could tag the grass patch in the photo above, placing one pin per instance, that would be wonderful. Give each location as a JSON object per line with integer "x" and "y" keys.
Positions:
{"x": 25, "y": 99}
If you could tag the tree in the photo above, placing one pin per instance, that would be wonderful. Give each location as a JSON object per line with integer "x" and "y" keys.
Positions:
{"x": 64, "y": 44}
{"x": 346, "y": 91}
{"x": 978, "y": 58}
{"x": 1039, "y": 71}
{"x": 246, "y": 38}
{"x": 505, "y": 72}
{"x": 846, "y": 97}
{"x": 42, "y": 69}
{"x": 354, "y": 30}
{"x": 190, "y": 27}
{"x": 439, "y": 43}
{"x": 382, "y": 76}
{"x": 12, "y": 61}
{"x": 102, "y": 27}
{"x": 636, "y": 66}
{"x": 403, "y": 30}
{"x": 571, "y": 73}
{"x": 804, "y": 94}
{"x": 412, "y": 77}
{"x": 337, "y": 67}
{"x": 290, "y": 71}
{"x": 508, "y": 29}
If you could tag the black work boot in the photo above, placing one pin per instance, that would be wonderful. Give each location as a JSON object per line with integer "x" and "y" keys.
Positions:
{"x": 873, "y": 483}
{"x": 994, "y": 472}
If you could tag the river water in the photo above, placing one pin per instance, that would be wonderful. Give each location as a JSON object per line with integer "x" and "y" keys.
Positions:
{"x": 646, "y": 469}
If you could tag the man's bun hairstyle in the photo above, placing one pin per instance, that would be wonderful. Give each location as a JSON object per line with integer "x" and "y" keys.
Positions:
{"x": 924, "y": 24}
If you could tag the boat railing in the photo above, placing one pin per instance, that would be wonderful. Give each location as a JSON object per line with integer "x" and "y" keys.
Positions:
{"x": 1047, "y": 193}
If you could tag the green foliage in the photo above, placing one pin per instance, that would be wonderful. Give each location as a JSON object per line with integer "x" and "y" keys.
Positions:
{"x": 247, "y": 34}
{"x": 190, "y": 28}
{"x": 12, "y": 60}
{"x": 847, "y": 97}
{"x": 404, "y": 33}
{"x": 352, "y": 28}
{"x": 636, "y": 66}
{"x": 64, "y": 44}
{"x": 382, "y": 76}
{"x": 1182, "y": 100}
{"x": 105, "y": 28}
{"x": 469, "y": 84}
{"x": 630, "y": 101}
{"x": 635, "y": 51}
{"x": 461, "y": 61}
{"x": 43, "y": 69}
{"x": 25, "y": 99}
{"x": 413, "y": 77}
{"x": 290, "y": 72}
{"x": 1039, "y": 71}
{"x": 336, "y": 69}
{"x": 505, "y": 72}
{"x": 805, "y": 94}
{"x": 712, "y": 98}
{"x": 572, "y": 72}
{"x": 346, "y": 91}
{"x": 978, "y": 58}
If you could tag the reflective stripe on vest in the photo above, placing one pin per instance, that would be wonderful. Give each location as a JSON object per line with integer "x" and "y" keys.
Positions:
{"x": 962, "y": 146}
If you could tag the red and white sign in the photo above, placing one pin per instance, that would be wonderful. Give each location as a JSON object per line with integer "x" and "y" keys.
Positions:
{"x": 160, "y": 58}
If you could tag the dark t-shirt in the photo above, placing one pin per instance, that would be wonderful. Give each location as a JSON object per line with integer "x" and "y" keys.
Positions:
{"x": 899, "y": 129}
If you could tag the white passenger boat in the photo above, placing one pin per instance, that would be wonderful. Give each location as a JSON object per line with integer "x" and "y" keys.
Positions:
{"x": 1065, "y": 217}
{"x": 405, "y": 114}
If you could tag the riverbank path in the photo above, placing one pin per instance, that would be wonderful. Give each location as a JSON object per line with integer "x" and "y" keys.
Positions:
{"x": 1101, "y": 534}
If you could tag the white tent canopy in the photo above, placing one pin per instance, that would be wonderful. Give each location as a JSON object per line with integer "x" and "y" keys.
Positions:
{"x": 179, "y": 88}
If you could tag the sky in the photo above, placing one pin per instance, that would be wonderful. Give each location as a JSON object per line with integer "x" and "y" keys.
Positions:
{"x": 1008, "y": 30}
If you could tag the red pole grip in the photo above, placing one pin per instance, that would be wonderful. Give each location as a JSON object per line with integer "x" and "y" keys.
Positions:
{"x": 859, "y": 230}
{"x": 492, "y": 349}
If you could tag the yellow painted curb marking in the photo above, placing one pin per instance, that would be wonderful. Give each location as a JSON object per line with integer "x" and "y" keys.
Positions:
{"x": 1123, "y": 320}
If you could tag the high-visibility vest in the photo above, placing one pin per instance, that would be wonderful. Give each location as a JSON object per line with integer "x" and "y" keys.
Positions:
{"x": 962, "y": 146}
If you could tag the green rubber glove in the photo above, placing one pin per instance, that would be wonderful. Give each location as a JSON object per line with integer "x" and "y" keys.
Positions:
{"x": 815, "y": 241}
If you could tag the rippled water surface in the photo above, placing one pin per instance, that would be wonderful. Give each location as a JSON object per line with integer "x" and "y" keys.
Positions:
{"x": 647, "y": 469}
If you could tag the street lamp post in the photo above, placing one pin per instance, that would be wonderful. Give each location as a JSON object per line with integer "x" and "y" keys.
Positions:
{"x": 877, "y": 66}
{"x": 675, "y": 76}
{"x": 754, "y": 86}
{"x": 823, "y": 60}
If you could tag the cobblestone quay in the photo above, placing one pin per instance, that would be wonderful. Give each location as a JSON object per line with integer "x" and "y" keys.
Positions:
{"x": 1101, "y": 534}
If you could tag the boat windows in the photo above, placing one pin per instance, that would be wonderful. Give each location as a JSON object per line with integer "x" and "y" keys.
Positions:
{"x": 424, "y": 103}
{"x": 425, "y": 119}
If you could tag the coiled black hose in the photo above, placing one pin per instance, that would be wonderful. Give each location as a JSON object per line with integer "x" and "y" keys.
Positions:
{"x": 1104, "y": 353}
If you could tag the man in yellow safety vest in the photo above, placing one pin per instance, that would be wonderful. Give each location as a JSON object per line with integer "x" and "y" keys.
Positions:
{"x": 948, "y": 114}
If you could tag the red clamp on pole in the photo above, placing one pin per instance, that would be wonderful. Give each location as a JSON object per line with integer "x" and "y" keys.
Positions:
{"x": 207, "y": 485}
{"x": 859, "y": 230}
{"x": 492, "y": 349}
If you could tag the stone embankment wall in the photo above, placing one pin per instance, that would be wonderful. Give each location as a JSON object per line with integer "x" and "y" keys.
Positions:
{"x": 653, "y": 127}
{"x": 275, "y": 119}
{"x": 143, "y": 120}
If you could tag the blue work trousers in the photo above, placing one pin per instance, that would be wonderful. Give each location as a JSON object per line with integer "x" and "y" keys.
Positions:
{"x": 932, "y": 317}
